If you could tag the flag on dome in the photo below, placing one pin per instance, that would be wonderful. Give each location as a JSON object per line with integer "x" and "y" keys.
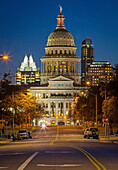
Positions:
{"x": 62, "y": 63}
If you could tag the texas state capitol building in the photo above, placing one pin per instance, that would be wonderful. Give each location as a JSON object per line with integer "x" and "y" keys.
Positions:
{"x": 60, "y": 77}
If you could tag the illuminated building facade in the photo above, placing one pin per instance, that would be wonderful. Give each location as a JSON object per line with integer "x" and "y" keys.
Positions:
{"x": 100, "y": 71}
{"x": 86, "y": 58}
{"x": 27, "y": 73}
{"x": 60, "y": 77}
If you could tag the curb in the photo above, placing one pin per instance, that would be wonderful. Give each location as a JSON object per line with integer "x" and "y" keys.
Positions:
{"x": 106, "y": 141}
{"x": 1, "y": 142}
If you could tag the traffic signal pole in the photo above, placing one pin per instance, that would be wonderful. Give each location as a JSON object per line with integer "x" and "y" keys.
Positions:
{"x": 96, "y": 111}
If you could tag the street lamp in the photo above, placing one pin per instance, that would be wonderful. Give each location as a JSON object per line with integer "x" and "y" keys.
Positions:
{"x": 4, "y": 57}
{"x": 88, "y": 83}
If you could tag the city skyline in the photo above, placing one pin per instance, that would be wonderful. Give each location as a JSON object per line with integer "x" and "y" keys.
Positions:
{"x": 26, "y": 26}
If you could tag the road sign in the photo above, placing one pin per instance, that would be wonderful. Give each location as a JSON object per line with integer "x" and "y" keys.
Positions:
{"x": 105, "y": 120}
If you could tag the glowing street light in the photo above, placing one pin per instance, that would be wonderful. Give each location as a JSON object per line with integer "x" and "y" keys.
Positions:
{"x": 56, "y": 117}
{"x": 88, "y": 83}
{"x": 65, "y": 117}
{"x": 82, "y": 92}
{"x": 4, "y": 57}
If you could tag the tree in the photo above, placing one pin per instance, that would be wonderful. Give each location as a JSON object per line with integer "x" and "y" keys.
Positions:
{"x": 22, "y": 106}
{"x": 110, "y": 108}
{"x": 81, "y": 110}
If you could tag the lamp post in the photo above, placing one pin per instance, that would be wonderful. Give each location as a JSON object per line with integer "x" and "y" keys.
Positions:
{"x": 96, "y": 105}
{"x": 95, "y": 95}
{"x": 96, "y": 110}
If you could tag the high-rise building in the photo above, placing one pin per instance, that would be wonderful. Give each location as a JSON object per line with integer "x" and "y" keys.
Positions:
{"x": 100, "y": 71}
{"x": 115, "y": 70}
{"x": 86, "y": 58}
{"x": 60, "y": 77}
{"x": 27, "y": 73}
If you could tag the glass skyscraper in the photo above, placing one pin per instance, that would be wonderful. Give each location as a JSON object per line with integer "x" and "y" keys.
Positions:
{"x": 86, "y": 58}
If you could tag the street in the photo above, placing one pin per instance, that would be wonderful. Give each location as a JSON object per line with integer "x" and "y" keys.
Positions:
{"x": 58, "y": 148}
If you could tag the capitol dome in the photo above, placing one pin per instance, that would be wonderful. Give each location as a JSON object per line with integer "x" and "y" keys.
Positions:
{"x": 60, "y": 55}
{"x": 60, "y": 37}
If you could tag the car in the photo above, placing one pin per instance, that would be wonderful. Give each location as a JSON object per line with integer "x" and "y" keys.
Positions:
{"x": 23, "y": 134}
{"x": 91, "y": 132}
{"x": 43, "y": 126}
{"x": 29, "y": 135}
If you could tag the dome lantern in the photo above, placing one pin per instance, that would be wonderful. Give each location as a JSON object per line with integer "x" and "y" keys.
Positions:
{"x": 60, "y": 20}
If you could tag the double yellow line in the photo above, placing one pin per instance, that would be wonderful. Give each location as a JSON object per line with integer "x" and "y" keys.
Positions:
{"x": 57, "y": 135}
{"x": 94, "y": 161}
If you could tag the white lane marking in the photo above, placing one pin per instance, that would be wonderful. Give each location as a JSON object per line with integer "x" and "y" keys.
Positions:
{"x": 64, "y": 165}
{"x": 59, "y": 152}
{"x": 3, "y": 167}
{"x": 27, "y": 161}
{"x": 20, "y": 153}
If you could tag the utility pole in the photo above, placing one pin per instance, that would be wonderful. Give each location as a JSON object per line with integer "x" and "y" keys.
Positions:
{"x": 96, "y": 111}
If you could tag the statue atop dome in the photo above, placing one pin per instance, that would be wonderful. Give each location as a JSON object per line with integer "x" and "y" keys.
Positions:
{"x": 60, "y": 9}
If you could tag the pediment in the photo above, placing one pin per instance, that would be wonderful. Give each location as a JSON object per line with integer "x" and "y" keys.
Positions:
{"x": 60, "y": 78}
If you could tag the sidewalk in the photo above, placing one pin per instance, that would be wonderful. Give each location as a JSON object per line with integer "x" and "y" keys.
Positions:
{"x": 4, "y": 140}
{"x": 110, "y": 139}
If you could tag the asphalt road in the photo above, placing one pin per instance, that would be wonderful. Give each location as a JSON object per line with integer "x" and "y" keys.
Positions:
{"x": 55, "y": 149}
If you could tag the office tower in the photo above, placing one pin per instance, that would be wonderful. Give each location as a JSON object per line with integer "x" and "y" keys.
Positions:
{"x": 27, "y": 73}
{"x": 86, "y": 58}
{"x": 100, "y": 71}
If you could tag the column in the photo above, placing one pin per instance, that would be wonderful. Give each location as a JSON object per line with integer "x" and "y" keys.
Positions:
{"x": 49, "y": 108}
{"x": 46, "y": 67}
{"x": 41, "y": 67}
{"x": 72, "y": 109}
{"x": 64, "y": 108}
{"x": 65, "y": 120}
{"x": 56, "y": 108}
{"x": 56, "y": 121}
{"x": 69, "y": 67}
{"x": 51, "y": 67}
{"x": 77, "y": 67}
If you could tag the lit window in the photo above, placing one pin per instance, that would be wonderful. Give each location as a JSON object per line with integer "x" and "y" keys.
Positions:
{"x": 54, "y": 84}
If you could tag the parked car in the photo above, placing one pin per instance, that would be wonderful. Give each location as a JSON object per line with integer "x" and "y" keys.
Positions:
{"x": 23, "y": 134}
{"x": 29, "y": 135}
{"x": 91, "y": 132}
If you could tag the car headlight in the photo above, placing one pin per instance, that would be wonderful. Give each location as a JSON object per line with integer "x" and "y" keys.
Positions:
{"x": 43, "y": 125}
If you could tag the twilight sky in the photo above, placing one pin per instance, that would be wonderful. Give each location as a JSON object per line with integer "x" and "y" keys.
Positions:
{"x": 26, "y": 24}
